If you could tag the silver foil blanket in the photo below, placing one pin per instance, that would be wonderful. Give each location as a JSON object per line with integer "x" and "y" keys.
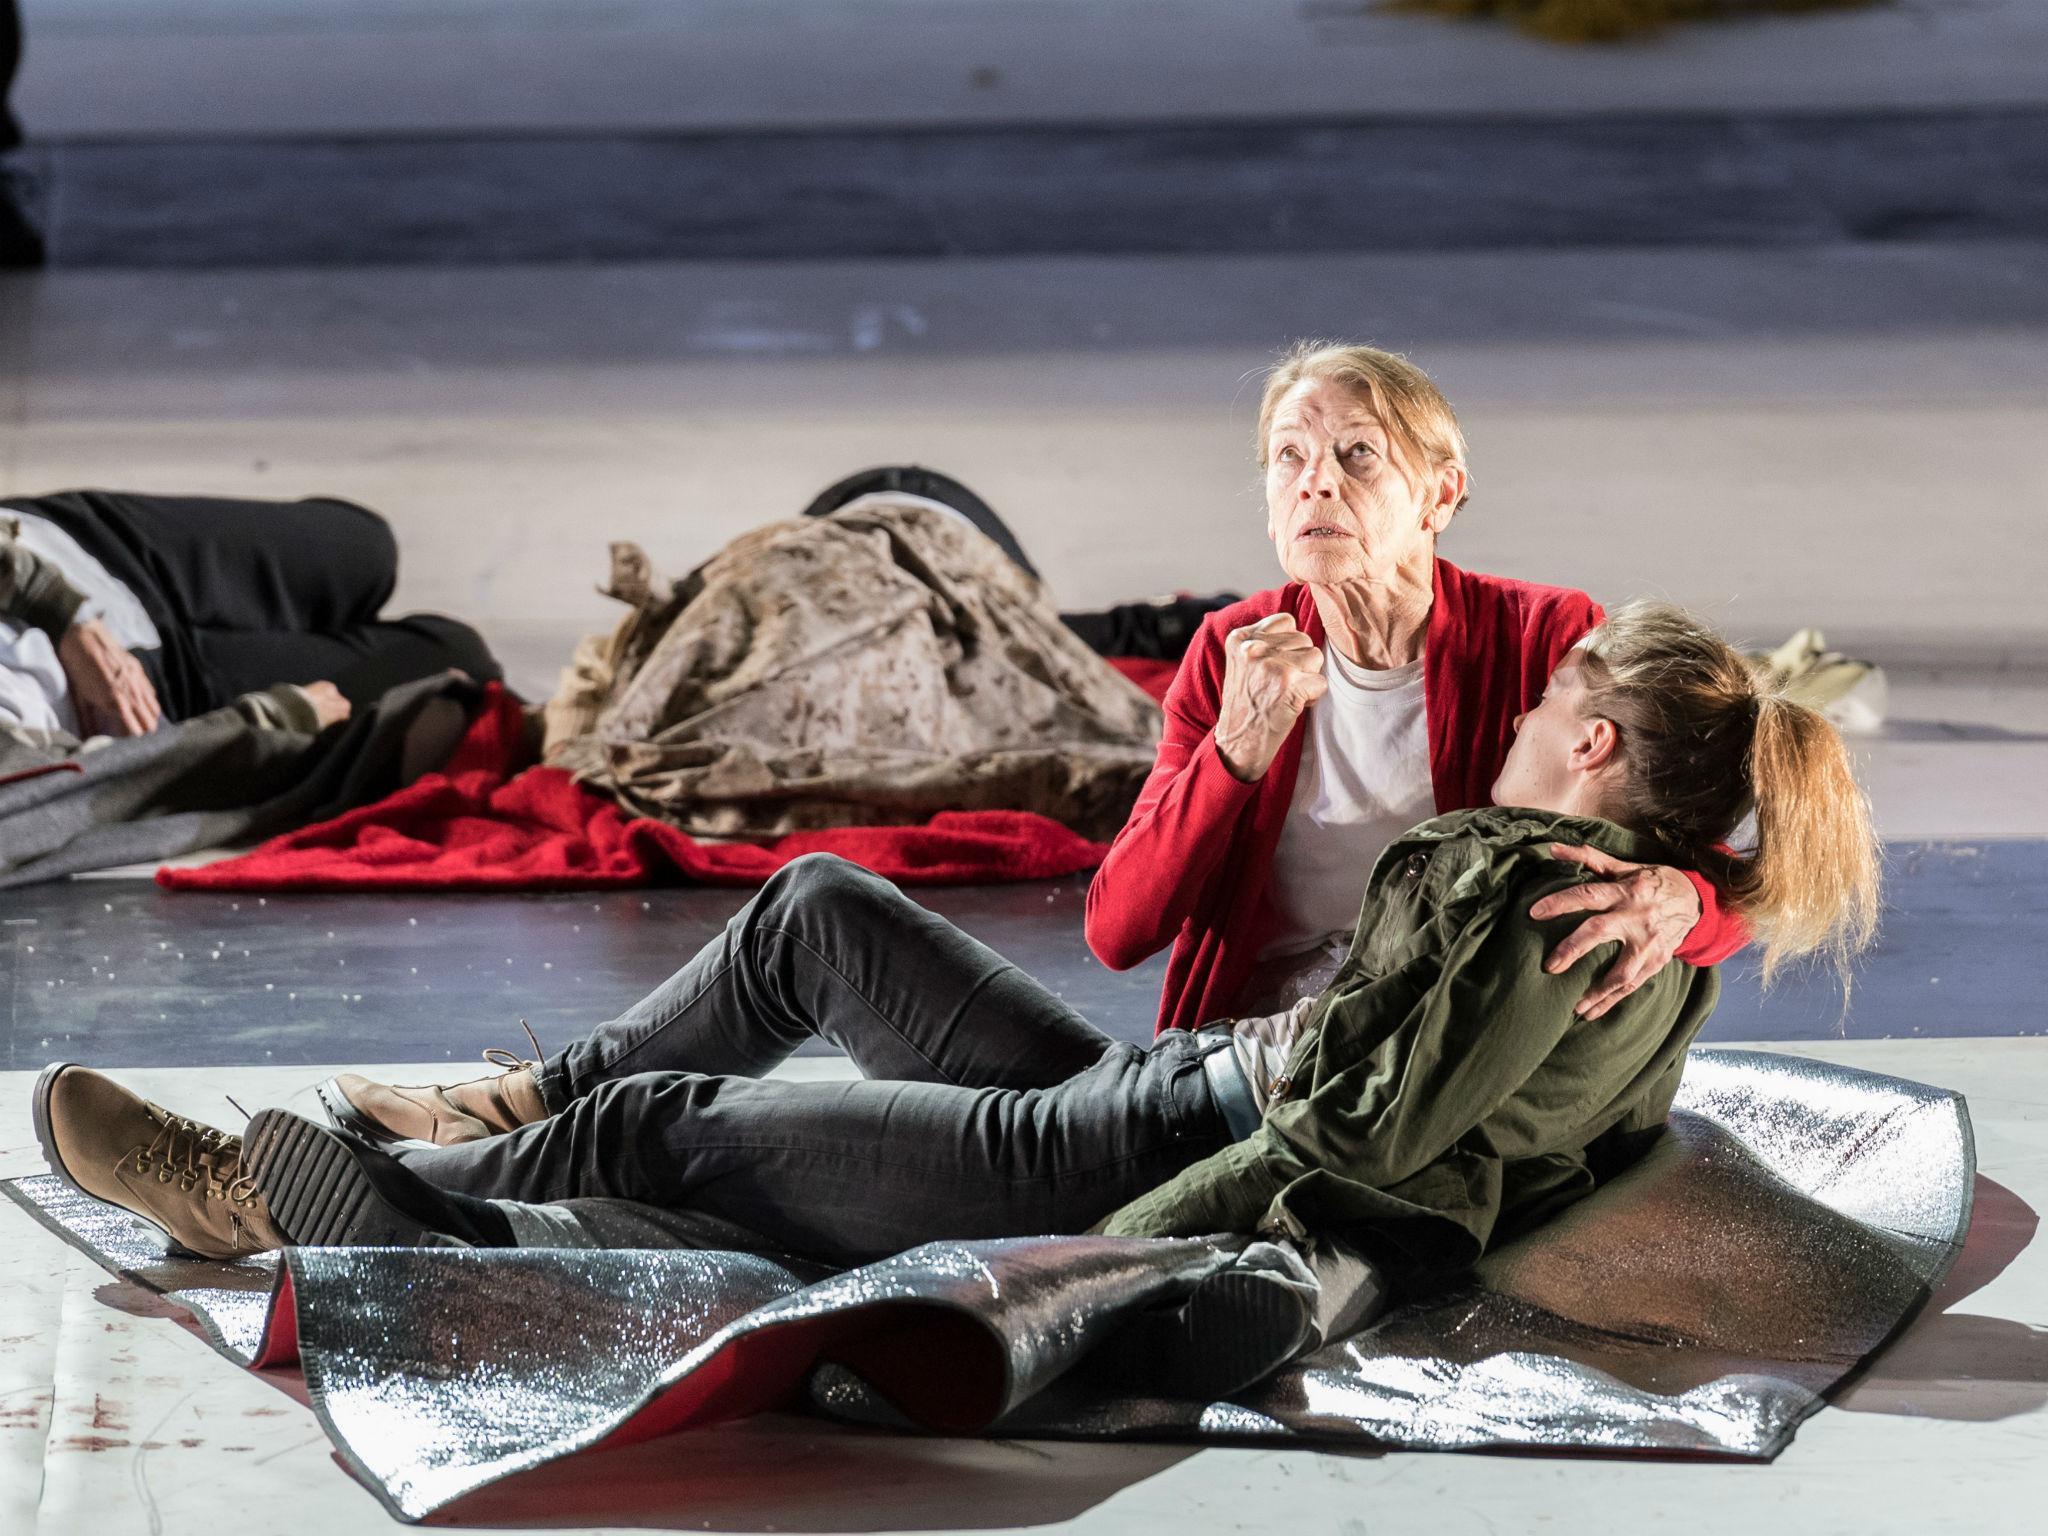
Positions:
{"x": 1700, "y": 1302}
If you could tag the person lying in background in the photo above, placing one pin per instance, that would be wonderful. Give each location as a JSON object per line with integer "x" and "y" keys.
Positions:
{"x": 1442, "y": 1093}
{"x": 170, "y": 606}
{"x": 68, "y": 682}
{"x": 874, "y": 665}
{"x": 1148, "y": 629}
{"x": 172, "y": 661}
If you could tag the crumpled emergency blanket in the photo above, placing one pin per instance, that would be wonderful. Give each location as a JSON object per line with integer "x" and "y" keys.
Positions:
{"x": 877, "y": 665}
{"x": 1794, "y": 1218}
{"x": 494, "y": 821}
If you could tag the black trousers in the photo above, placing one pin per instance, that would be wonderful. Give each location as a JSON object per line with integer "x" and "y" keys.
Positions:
{"x": 249, "y": 593}
{"x": 987, "y": 1108}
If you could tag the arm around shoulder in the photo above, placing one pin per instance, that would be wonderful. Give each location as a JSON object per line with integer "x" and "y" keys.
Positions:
{"x": 1487, "y": 1021}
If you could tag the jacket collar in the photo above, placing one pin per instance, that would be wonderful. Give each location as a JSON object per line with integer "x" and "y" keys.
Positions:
{"x": 1507, "y": 826}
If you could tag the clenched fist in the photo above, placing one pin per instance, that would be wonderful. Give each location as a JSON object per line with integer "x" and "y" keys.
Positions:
{"x": 1271, "y": 673}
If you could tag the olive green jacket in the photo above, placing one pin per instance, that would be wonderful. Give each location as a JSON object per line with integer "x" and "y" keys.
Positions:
{"x": 1442, "y": 1093}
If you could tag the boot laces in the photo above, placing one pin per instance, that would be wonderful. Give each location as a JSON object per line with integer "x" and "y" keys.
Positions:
{"x": 192, "y": 1153}
{"x": 507, "y": 1061}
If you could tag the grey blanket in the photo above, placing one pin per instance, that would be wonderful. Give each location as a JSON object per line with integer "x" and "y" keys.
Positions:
{"x": 214, "y": 783}
{"x": 1796, "y": 1215}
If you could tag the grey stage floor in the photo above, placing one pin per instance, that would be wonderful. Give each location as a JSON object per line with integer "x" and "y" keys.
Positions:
{"x": 119, "y": 973}
{"x": 1243, "y": 187}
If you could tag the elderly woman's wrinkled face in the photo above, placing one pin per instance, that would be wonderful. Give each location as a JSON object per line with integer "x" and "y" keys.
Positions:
{"x": 1342, "y": 504}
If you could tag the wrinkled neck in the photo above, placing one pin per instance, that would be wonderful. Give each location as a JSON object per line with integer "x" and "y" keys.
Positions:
{"x": 1379, "y": 621}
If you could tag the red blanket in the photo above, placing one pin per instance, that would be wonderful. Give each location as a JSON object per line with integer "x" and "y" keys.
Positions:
{"x": 491, "y": 821}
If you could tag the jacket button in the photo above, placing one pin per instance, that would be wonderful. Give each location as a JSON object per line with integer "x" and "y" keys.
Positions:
{"x": 1417, "y": 863}
{"x": 1281, "y": 1087}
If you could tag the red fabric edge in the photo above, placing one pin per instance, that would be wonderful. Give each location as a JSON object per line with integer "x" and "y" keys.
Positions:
{"x": 958, "y": 1371}
{"x": 491, "y": 820}
{"x": 67, "y": 766}
{"x": 280, "y": 1342}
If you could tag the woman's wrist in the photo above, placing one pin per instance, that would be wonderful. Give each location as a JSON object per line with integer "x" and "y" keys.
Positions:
{"x": 1245, "y": 756}
{"x": 1682, "y": 903}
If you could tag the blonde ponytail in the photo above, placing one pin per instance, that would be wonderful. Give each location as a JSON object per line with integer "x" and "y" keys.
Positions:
{"x": 1702, "y": 745}
{"x": 1812, "y": 883}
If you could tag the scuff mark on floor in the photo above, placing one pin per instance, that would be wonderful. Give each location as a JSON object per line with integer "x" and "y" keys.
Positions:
{"x": 88, "y": 1443}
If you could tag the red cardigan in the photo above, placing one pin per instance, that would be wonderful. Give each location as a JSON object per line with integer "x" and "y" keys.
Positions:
{"x": 1193, "y": 863}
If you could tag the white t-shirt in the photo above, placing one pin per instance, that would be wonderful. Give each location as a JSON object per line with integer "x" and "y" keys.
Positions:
{"x": 33, "y": 690}
{"x": 1364, "y": 780}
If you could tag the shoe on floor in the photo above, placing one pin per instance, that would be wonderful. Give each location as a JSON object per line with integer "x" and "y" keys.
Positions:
{"x": 1239, "y": 1326}
{"x": 325, "y": 1189}
{"x": 1851, "y": 695}
{"x": 185, "y": 1178}
{"x": 926, "y": 485}
{"x": 387, "y": 1113}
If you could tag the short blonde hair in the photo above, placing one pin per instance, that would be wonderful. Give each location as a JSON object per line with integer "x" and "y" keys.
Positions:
{"x": 1408, "y": 403}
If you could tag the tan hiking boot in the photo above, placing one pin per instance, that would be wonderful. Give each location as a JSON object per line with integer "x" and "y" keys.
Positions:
{"x": 175, "y": 1173}
{"x": 383, "y": 1113}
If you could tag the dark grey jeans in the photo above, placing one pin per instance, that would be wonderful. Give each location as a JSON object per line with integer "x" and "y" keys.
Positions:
{"x": 987, "y": 1108}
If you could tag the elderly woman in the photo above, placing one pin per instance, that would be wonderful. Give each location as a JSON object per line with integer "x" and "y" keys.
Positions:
{"x": 1311, "y": 724}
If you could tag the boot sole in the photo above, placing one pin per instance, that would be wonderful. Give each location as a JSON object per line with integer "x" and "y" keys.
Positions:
{"x": 1235, "y": 1330}
{"x": 39, "y": 1115}
{"x": 318, "y": 1191}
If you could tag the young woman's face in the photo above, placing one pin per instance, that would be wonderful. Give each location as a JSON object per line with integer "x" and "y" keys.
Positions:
{"x": 1547, "y": 761}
